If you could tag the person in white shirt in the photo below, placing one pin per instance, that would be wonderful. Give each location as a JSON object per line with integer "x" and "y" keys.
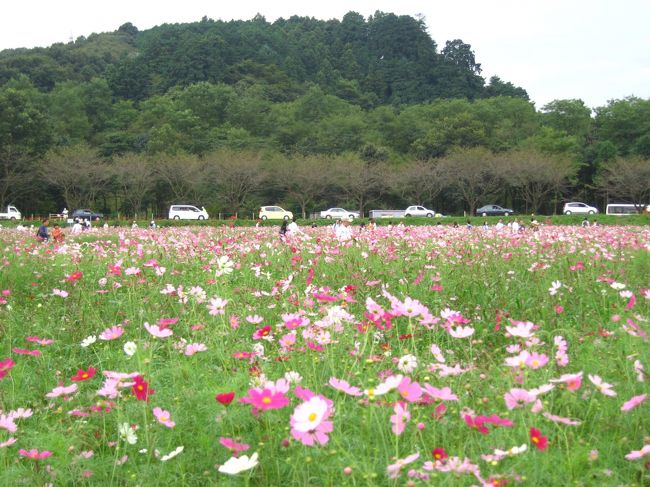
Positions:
{"x": 293, "y": 231}
{"x": 515, "y": 227}
{"x": 344, "y": 232}
{"x": 499, "y": 225}
{"x": 76, "y": 228}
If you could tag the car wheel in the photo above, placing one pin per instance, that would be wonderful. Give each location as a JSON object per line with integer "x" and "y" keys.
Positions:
{"x": 329, "y": 217}
{"x": 567, "y": 212}
{"x": 429, "y": 215}
{"x": 177, "y": 217}
{"x": 286, "y": 218}
{"x": 407, "y": 215}
{"x": 506, "y": 214}
{"x": 264, "y": 217}
{"x": 12, "y": 218}
{"x": 591, "y": 212}
{"x": 350, "y": 217}
{"x": 201, "y": 217}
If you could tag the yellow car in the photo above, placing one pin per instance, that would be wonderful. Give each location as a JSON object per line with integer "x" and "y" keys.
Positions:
{"x": 274, "y": 213}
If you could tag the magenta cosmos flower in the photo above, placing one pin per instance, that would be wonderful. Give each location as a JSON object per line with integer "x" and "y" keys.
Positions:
{"x": 263, "y": 399}
{"x": 34, "y": 454}
{"x": 112, "y": 333}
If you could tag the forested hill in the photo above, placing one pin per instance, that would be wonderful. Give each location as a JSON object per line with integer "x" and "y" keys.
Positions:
{"x": 385, "y": 59}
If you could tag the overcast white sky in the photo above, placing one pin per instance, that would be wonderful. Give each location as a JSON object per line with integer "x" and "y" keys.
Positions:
{"x": 595, "y": 50}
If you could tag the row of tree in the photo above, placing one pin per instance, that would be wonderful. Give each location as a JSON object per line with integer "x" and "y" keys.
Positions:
{"x": 239, "y": 182}
{"x": 374, "y": 92}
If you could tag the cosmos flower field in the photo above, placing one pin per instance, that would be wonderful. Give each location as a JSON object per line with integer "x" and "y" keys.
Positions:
{"x": 408, "y": 356}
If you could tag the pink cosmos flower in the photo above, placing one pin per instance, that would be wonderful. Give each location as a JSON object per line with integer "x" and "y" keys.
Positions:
{"x": 60, "y": 293}
{"x": 24, "y": 351}
{"x": 9, "y": 442}
{"x": 234, "y": 447}
{"x": 409, "y": 390}
{"x": 157, "y": 331}
{"x": 7, "y": 423}
{"x": 345, "y": 387}
{"x": 518, "y": 360}
{"x": 634, "y": 402}
{"x": 392, "y": 471}
{"x": 400, "y": 418}
{"x": 603, "y": 387}
{"x": 572, "y": 381}
{"x": 163, "y": 417}
{"x": 461, "y": 331}
{"x": 62, "y": 391}
{"x": 112, "y": 333}
{"x": 443, "y": 394}
{"x": 560, "y": 419}
{"x": 254, "y": 319}
{"x": 637, "y": 454}
{"x": 217, "y": 306}
{"x": 192, "y": 348}
{"x": 263, "y": 399}
{"x": 5, "y": 366}
{"x": 34, "y": 454}
{"x": 518, "y": 397}
{"x": 288, "y": 340}
{"x": 40, "y": 341}
{"x": 521, "y": 329}
{"x": 537, "y": 360}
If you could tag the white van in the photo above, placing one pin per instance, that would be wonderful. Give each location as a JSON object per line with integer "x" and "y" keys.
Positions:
{"x": 625, "y": 209}
{"x": 187, "y": 212}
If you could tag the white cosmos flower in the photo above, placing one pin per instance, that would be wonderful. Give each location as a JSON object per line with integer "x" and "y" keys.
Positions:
{"x": 130, "y": 348}
{"x": 88, "y": 341}
{"x": 308, "y": 415}
{"x": 235, "y": 465}
{"x": 172, "y": 454}
{"x": 407, "y": 363}
{"x": 127, "y": 433}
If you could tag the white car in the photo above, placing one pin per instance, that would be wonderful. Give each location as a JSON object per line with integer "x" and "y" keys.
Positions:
{"x": 419, "y": 211}
{"x": 187, "y": 212}
{"x": 339, "y": 213}
{"x": 581, "y": 208}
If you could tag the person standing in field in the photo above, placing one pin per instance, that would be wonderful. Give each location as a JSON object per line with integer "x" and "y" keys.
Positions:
{"x": 344, "y": 232}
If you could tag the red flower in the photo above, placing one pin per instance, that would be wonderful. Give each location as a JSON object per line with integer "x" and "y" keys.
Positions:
{"x": 84, "y": 374}
{"x": 439, "y": 454}
{"x": 541, "y": 442}
{"x": 141, "y": 389}
{"x": 75, "y": 276}
{"x": 225, "y": 398}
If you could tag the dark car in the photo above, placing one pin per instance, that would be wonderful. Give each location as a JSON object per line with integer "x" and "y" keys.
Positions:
{"x": 85, "y": 214}
{"x": 494, "y": 210}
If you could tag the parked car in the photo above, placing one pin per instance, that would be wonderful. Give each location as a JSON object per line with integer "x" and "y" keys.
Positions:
{"x": 187, "y": 212}
{"x": 274, "y": 213}
{"x": 494, "y": 210}
{"x": 12, "y": 213}
{"x": 577, "y": 207}
{"x": 85, "y": 214}
{"x": 419, "y": 211}
{"x": 339, "y": 213}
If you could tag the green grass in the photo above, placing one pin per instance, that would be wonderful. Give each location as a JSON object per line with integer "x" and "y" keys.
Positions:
{"x": 478, "y": 277}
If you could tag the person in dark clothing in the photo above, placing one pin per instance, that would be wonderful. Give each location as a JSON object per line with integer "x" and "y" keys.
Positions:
{"x": 283, "y": 230}
{"x": 42, "y": 234}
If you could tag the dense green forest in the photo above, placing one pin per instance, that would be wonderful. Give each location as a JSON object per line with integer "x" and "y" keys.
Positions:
{"x": 300, "y": 112}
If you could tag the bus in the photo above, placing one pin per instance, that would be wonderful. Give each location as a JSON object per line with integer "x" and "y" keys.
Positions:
{"x": 621, "y": 209}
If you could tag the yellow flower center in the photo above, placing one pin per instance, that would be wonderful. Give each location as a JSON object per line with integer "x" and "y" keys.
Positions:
{"x": 535, "y": 439}
{"x": 266, "y": 400}
{"x": 84, "y": 376}
{"x": 164, "y": 419}
{"x": 312, "y": 417}
{"x": 535, "y": 363}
